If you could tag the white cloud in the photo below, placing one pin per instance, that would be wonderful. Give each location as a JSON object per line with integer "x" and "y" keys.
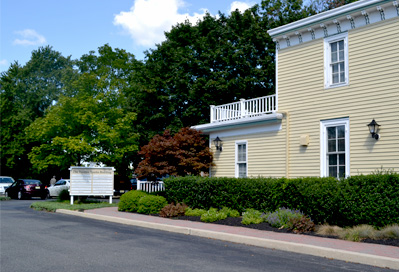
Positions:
{"x": 29, "y": 37}
{"x": 147, "y": 20}
{"x": 3, "y": 62}
{"x": 241, "y": 6}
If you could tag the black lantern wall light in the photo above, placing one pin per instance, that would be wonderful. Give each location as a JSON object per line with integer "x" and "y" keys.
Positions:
{"x": 374, "y": 127}
{"x": 218, "y": 143}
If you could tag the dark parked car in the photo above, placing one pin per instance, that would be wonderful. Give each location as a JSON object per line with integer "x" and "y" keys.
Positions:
{"x": 27, "y": 188}
{"x": 121, "y": 185}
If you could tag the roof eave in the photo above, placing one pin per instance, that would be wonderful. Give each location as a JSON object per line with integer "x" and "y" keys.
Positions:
{"x": 321, "y": 17}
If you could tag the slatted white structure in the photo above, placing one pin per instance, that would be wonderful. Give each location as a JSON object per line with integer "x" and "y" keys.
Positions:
{"x": 91, "y": 181}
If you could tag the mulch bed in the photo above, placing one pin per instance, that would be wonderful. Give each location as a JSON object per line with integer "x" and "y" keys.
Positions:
{"x": 236, "y": 221}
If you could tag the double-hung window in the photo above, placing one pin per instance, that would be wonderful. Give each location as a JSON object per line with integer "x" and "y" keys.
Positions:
{"x": 241, "y": 159}
{"x": 336, "y": 61}
{"x": 335, "y": 148}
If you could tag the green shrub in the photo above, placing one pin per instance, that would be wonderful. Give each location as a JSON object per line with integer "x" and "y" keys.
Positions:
{"x": 151, "y": 204}
{"x": 63, "y": 195}
{"x": 365, "y": 199}
{"x": 173, "y": 210}
{"x": 251, "y": 216}
{"x": 213, "y": 215}
{"x": 370, "y": 199}
{"x": 129, "y": 201}
{"x": 195, "y": 212}
{"x": 230, "y": 212}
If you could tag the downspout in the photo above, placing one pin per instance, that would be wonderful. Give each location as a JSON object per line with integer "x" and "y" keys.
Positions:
{"x": 287, "y": 143}
{"x": 287, "y": 118}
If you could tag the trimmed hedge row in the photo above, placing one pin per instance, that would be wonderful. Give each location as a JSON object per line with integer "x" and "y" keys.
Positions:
{"x": 365, "y": 199}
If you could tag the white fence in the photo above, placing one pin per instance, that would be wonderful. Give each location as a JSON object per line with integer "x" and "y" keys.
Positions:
{"x": 149, "y": 186}
{"x": 244, "y": 108}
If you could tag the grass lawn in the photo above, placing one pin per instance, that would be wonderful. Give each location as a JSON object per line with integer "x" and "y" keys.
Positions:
{"x": 52, "y": 206}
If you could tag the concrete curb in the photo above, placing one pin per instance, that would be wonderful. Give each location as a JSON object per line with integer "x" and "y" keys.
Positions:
{"x": 343, "y": 255}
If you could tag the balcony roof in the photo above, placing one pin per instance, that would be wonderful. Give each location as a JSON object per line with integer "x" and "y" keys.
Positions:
{"x": 238, "y": 123}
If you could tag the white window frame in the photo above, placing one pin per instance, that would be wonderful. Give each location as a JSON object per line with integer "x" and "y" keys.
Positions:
{"x": 237, "y": 162}
{"x": 327, "y": 60}
{"x": 324, "y": 144}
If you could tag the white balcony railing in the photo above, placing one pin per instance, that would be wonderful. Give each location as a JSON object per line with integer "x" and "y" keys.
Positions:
{"x": 244, "y": 108}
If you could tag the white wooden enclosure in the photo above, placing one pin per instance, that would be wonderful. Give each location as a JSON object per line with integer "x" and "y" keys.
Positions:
{"x": 149, "y": 187}
{"x": 91, "y": 181}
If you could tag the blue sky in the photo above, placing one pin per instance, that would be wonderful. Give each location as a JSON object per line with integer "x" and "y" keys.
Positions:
{"x": 74, "y": 27}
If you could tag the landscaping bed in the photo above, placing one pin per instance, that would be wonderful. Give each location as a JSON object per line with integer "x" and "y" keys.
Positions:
{"x": 281, "y": 219}
{"x": 236, "y": 222}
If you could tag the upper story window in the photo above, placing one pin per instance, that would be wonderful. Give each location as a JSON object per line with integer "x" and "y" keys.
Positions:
{"x": 336, "y": 72}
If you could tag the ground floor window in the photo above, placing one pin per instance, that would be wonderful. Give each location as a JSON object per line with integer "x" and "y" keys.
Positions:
{"x": 334, "y": 146}
{"x": 241, "y": 159}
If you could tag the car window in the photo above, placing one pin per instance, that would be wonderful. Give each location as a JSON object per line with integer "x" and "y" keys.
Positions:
{"x": 14, "y": 184}
{"x": 6, "y": 180}
{"x": 32, "y": 182}
{"x": 58, "y": 183}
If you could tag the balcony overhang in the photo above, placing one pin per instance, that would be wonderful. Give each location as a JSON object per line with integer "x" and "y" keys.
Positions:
{"x": 239, "y": 123}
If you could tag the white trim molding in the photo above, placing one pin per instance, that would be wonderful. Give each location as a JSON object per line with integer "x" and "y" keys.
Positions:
{"x": 335, "y": 21}
{"x": 324, "y": 124}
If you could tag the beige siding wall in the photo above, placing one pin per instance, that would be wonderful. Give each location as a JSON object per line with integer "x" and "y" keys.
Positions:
{"x": 373, "y": 92}
{"x": 266, "y": 155}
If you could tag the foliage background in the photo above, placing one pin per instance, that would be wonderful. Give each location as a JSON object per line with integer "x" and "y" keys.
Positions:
{"x": 57, "y": 112}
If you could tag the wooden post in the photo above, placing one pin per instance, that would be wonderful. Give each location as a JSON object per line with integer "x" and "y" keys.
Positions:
{"x": 242, "y": 105}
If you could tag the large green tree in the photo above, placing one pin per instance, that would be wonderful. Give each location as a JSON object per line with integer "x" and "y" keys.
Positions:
{"x": 25, "y": 94}
{"x": 84, "y": 128}
{"x": 94, "y": 123}
{"x": 216, "y": 61}
{"x": 106, "y": 104}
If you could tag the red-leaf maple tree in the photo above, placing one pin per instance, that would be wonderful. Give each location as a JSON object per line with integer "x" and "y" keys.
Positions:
{"x": 185, "y": 153}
